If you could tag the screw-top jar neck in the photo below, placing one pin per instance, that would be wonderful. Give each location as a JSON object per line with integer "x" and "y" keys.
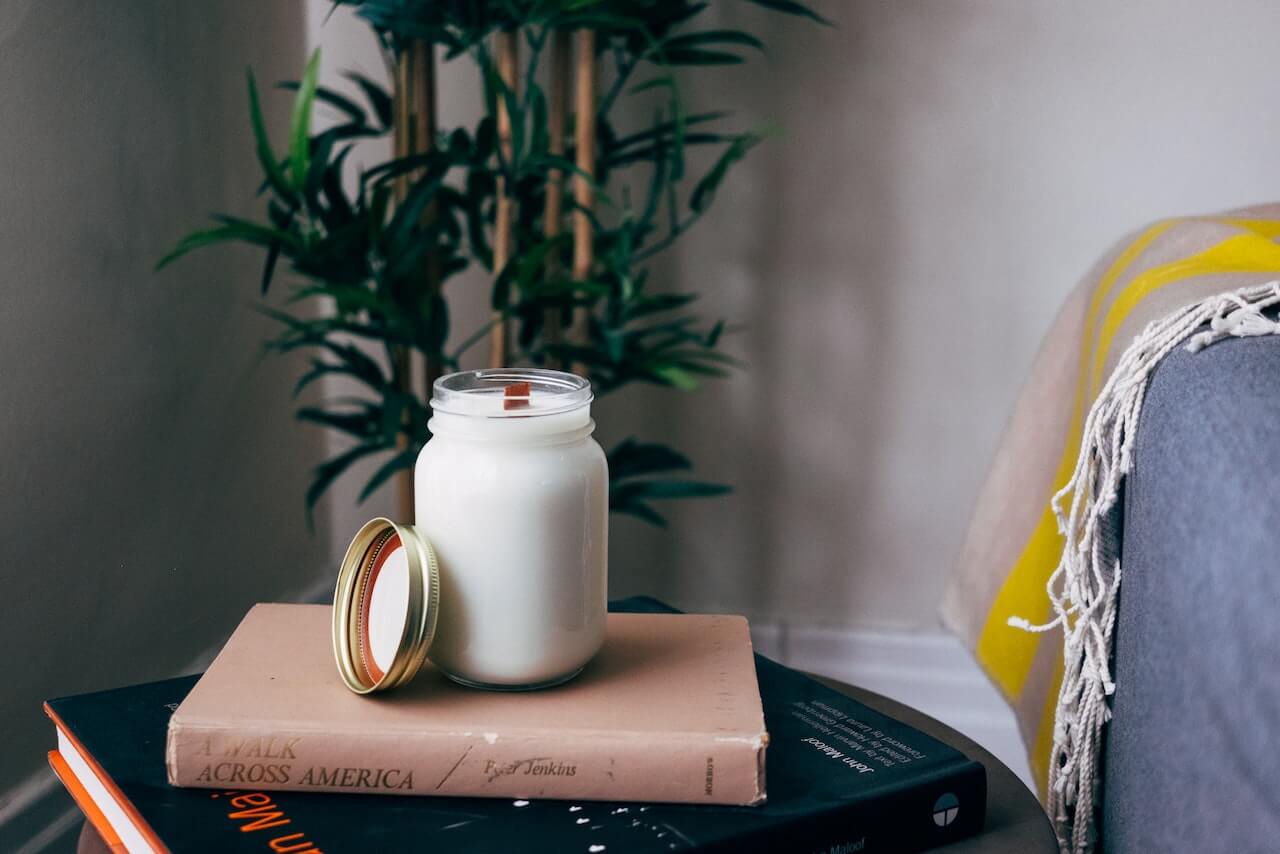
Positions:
{"x": 515, "y": 404}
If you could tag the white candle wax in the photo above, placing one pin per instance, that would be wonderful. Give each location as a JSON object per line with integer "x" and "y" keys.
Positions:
{"x": 514, "y": 499}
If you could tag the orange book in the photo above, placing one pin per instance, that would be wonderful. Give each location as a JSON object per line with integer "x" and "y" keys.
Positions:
{"x": 87, "y": 803}
{"x": 669, "y": 711}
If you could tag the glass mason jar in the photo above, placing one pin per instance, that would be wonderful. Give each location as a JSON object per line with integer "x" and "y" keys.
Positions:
{"x": 512, "y": 493}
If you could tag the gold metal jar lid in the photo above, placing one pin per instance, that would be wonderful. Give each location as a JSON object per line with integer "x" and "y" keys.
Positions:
{"x": 385, "y": 606}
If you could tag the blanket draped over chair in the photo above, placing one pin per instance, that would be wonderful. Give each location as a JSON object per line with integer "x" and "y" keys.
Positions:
{"x": 1034, "y": 592}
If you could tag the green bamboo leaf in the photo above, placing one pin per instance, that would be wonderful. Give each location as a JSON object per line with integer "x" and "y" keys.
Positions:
{"x": 561, "y": 286}
{"x": 348, "y": 298}
{"x": 500, "y": 295}
{"x": 363, "y": 424}
{"x": 266, "y": 157}
{"x": 311, "y": 333}
{"x": 695, "y": 56}
{"x": 410, "y": 163}
{"x": 661, "y": 130}
{"x": 705, "y": 189}
{"x": 435, "y": 331}
{"x": 533, "y": 262}
{"x": 486, "y": 140}
{"x": 704, "y": 370}
{"x": 791, "y": 7}
{"x": 630, "y": 458}
{"x": 662, "y": 149}
{"x": 327, "y": 472}
{"x": 656, "y": 304}
{"x": 352, "y": 130}
{"x": 701, "y": 355}
{"x": 399, "y": 462}
{"x": 379, "y": 202}
{"x": 232, "y": 229}
{"x": 409, "y": 212}
{"x": 600, "y": 21}
{"x": 666, "y": 81}
{"x": 391, "y": 417}
{"x": 339, "y": 210}
{"x": 318, "y": 150}
{"x": 377, "y": 97}
{"x": 540, "y": 165}
{"x": 300, "y": 127}
{"x": 495, "y": 87}
{"x": 710, "y": 37}
{"x": 675, "y": 375}
{"x": 280, "y": 216}
{"x": 713, "y": 337}
{"x": 317, "y": 370}
{"x": 664, "y": 489}
{"x": 269, "y": 268}
{"x": 195, "y": 240}
{"x": 638, "y": 509}
{"x": 459, "y": 145}
{"x": 339, "y": 102}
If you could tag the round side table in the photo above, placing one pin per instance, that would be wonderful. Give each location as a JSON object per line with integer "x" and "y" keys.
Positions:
{"x": 1016, "y": 823}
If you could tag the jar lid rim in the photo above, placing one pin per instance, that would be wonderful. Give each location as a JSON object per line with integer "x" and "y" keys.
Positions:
{"x": 510, "y": 393}
{"x": 352, "y": 600}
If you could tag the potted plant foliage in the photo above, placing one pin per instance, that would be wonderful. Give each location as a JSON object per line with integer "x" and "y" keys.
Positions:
{"x": 545, "y": 192}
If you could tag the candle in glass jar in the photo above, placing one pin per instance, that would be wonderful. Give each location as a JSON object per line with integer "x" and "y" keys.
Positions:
{"x": 512, "y": 493}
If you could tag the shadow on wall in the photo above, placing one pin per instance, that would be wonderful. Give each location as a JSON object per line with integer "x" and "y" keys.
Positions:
{"x": 795, "y": 433}
{"x": 151, "y": 475}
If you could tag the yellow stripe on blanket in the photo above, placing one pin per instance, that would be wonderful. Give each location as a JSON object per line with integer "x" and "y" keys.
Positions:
{"x": 1009, "y": 654}
{"x": 1005, "y": 652}
{"x": 1245, "y": 253}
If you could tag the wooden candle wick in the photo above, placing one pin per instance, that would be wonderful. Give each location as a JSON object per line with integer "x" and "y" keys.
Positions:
{"x": 517, "y": 395}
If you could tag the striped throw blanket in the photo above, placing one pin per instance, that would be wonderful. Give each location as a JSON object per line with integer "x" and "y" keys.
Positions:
{"x": 1034, "y": 592}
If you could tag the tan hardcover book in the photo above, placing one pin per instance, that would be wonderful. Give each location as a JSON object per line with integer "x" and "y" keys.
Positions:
{"x": 668, "y": 711}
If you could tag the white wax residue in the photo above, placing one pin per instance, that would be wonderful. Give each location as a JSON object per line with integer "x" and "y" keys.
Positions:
{"x": 388, "y": 608}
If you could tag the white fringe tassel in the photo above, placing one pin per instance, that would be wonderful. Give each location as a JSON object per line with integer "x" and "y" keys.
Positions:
{"x": 1083, "y": 589}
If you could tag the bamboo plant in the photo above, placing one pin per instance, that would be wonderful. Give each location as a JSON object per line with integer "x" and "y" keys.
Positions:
{"x": 562, "y": 209}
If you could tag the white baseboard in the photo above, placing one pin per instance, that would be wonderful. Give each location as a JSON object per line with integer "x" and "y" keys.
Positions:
{"x": 929, "y": 671}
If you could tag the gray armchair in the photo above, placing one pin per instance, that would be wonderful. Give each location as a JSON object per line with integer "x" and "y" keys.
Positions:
{"x": 1191, "y": 761}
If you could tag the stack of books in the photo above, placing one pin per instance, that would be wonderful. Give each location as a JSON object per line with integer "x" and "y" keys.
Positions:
{"x": 660, "y": 745}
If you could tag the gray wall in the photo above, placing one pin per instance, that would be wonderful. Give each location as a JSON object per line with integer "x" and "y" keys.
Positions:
{"x": 948, "y": 171}
{"x": 150, "y": 474}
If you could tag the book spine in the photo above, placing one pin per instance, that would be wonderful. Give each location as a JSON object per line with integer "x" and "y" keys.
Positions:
{"x": 926, "y": 814}
{"x": 673, "y": 768}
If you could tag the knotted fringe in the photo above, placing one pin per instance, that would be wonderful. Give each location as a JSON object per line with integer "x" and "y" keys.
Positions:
{"x": 1083, "y": 589}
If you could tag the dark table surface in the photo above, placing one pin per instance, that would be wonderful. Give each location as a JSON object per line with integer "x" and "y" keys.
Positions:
{"x": 1015, "y": 824}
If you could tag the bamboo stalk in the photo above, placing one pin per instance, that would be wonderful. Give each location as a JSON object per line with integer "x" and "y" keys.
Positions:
{"x": 561, "y": 55}
{"x": 585, "y": 143}
{"x": 414, "y": 133}
{"x": 402, "y": 366}
{"x": 424, "y": 140}
{"x": 508, "y": 55}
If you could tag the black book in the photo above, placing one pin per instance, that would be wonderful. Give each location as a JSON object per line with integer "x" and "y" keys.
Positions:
{"x": 841, "y": 777}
